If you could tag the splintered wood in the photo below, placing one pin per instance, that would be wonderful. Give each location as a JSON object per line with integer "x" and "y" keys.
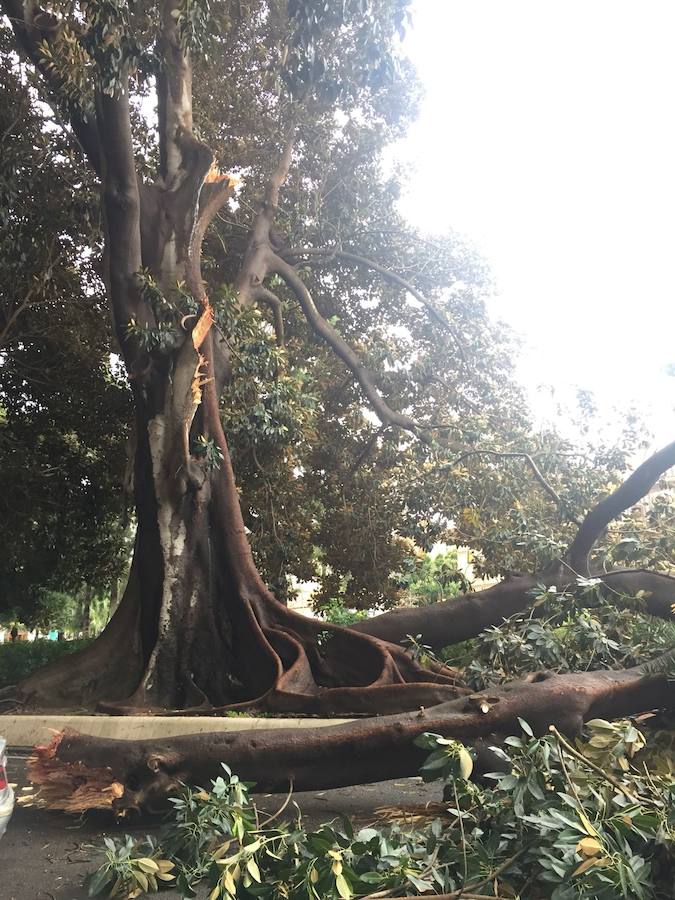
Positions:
{"x": 71, "y": 787}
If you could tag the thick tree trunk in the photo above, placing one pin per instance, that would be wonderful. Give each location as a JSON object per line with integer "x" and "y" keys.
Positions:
{"x": 198, "y": 631}
{"x": 85, "y": 610}
{"x": 77, "y": 771}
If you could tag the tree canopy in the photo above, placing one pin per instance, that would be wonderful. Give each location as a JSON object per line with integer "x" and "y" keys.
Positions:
{"x": 64, "y": 412}
{"x": 313, "y": 463}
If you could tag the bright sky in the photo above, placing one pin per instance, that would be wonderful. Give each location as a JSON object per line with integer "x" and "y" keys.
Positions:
{"x": 547, "y": 136}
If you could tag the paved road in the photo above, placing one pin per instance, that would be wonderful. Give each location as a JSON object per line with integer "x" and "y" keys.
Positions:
{"x": 45, "y": 855}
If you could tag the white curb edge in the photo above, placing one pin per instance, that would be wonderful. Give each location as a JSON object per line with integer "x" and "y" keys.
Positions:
{"x": 26, "y": 731}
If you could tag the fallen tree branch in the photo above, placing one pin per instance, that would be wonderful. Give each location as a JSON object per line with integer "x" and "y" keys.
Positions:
{"x": 456, "y": 620}
{"x": 357, "y": 752}
{"x": 453, "y": 621}
{"x": 464, "y": 617}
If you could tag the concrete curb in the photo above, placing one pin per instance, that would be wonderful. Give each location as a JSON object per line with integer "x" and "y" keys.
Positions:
{"x": 26, "y": 731}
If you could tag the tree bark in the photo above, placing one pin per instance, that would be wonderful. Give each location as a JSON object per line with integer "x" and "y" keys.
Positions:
{"x": 114, "y": 597}
{"x": 633, "y": 489}
{"x": 453, "y": 621}
{"x": 197, "y": 630}
{"x": 85, "y": 610}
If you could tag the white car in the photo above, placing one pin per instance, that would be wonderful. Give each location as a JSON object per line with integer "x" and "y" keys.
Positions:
{"x": 6, "y": 793}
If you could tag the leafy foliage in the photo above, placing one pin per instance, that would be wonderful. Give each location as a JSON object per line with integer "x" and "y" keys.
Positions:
{"x": 563, "y": 822}
{"x": 18, "y": 659}
{"x": 428, "y": 578}
{"x": 338, "y": 614}
{"x": 315, "y": 470}
{"x": 565, "y": 632}
{"x": 132, "y": 867}
{"x": 63, "y": 409}
{"x": 312, "y": 63}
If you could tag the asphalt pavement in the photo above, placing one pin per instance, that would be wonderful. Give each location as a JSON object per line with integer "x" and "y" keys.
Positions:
{"x": 46, "y": 855}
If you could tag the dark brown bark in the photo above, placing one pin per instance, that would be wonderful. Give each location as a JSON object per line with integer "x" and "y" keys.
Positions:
{"x": 453, "y": 621}
{"x": 357, "y": 752}
{"x": 211, "y": 636}
{"x": 110, "y": 666}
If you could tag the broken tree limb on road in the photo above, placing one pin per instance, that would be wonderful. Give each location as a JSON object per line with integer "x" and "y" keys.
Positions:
{"x": 366, "y": 750}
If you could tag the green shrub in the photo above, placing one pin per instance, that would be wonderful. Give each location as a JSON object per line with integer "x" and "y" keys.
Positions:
{"x": 337, "y": 613}
{"x": 431, "y": 578}
{"x": 19, "y": 658}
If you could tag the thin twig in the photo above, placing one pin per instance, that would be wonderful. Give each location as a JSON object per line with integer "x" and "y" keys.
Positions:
{"x": 465, "y": 865}
{"x": 591, "y": 765}
{"x": 502, "y": 867}
{"x": 536, "y": 471}
{"x": 281, "y": 808}
{"x": 465, "y": 893}
{"x": 568, "y": 778}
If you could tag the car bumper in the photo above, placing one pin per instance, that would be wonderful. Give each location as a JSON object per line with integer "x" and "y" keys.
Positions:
{"x": 6, "y": 809}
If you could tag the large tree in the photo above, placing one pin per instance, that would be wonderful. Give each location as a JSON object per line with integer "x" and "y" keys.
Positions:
{"x": 63, "y": 412}
{"x": 197, "y": 628}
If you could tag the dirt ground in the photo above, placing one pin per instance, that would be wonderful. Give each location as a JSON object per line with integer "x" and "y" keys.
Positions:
{"x": 45, "y": 855}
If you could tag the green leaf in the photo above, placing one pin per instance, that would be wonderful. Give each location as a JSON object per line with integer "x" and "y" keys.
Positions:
{"x": 97, "y": 882}
{"x": 372, "y": 877}
{"x": 526, "y": 728}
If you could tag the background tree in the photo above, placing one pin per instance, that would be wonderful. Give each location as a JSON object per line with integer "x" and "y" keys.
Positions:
{"x": 63, "y": 410}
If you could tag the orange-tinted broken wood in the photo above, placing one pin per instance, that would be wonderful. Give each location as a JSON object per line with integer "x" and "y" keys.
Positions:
{"x": 203, "y": 326}
{"x": 69, "y": 786}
